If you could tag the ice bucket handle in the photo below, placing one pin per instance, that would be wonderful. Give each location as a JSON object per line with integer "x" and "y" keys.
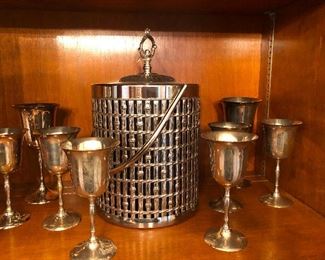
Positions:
{"x": 157, "y": 131}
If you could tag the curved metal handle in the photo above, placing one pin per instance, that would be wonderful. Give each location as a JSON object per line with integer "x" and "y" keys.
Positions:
{"x": 147, "y": 54}
{"x": 157, "y": 131}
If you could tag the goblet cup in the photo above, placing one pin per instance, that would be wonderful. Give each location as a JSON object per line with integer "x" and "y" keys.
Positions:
{"x": 37, "y": 116}
{"x": 56, "y": 163}
{"x": 280, "y": 137}
{"x": 219, "y": 203}
{"x": 228, "y": 158}
{"x": 241, "y": 110}
{"x": 10, "y": 154}
{"x": 90, "y": 164}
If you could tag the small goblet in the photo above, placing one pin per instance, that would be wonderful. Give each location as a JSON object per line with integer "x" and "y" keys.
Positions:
{"x": 280, "y": 137}
{"x": 10, "y": 154}
{"x": 90, "y": 160}
{"x": 241, "y": 110}
{"x": 219, "y": 203}
{"x": 228, "y": 159}
{"x": 37, "y": 116}
{"x": 56, "y": 162}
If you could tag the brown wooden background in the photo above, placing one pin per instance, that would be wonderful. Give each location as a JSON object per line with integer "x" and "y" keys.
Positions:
{"x": 54, "y": 56}
{"x": 298, "y": 93}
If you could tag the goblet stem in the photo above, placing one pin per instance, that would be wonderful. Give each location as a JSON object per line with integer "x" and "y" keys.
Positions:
{"x": 92, "y": 220}
{"x": 61, "y": 212}
{"x": 8, "y": 211}
{"x": 40, "y": 163}
{"x": 276, "y": 192}
{"x": 225, "y": 227}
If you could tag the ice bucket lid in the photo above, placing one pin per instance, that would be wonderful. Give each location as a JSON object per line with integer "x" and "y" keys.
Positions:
{"x": 145, "y": 84}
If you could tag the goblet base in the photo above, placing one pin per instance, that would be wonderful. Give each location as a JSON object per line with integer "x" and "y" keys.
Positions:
{"x": 276, "y": 201}
{"x": 13, "y": 220}
{"x": 40, "y": 197}
{"x": 219, "y": 205}
{"x": 243, "y": 183}
{"x": 101, "y": 249}
{"x": 229, "y": 241}
{"x": 59, "y": 223}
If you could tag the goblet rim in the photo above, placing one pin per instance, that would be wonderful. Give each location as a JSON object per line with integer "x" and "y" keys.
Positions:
{"x": 241, "y": 100}
{"x": 69, "y": 145}
{"x": 56, "y": 130}
{"x": 281, "y": 122}
{"x": 229, "y": 136}
{"x": 12, "y": 131}
{"x": 35, "y": 105}
{"x": 227, "y": 125}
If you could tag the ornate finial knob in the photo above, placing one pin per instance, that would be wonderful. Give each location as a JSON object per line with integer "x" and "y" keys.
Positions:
{"x": 147, "y": 54}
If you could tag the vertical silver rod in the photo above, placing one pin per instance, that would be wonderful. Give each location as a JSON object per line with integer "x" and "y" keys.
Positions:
{"x": 8, "y": 211}
{"x": 277, "y": 176}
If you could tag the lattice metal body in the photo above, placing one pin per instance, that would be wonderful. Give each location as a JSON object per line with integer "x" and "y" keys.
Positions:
{"x": 162, "y": 186}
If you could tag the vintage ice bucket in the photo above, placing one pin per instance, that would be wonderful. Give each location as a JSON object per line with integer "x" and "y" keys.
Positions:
{"x": 154, "y": 181}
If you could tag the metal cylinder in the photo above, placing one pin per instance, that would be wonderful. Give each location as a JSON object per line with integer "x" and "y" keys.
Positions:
{"x": 161, "y": 188}
{"x": 240, "y": 109}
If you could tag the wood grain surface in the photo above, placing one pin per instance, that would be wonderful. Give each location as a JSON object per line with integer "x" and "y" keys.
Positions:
{"x": 56, "y": 56}
{"x": 293, "y": 233}
{"x": 180, "y": 6}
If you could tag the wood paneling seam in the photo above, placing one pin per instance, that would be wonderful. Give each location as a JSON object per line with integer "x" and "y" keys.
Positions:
{"x": 268, "y": 85}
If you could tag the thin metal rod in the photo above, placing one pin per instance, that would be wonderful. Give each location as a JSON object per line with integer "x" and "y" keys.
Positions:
{"x": 277, "y": 176}
{"x": 40, "y": 163}
{"x": 157, "y": 131}
{"x": 225, "y": 227}
{"x": 7, "y": 189}
{"x": 61, "y": 212}
{"x": 92, "y": 220}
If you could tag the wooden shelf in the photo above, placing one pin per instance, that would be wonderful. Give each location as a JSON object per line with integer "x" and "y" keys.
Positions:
{"x": 292, "y": 233}
{"x": 180, "y": 6}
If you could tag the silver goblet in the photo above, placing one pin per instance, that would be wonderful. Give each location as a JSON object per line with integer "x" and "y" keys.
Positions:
{"x": 241, "y": 110}
{"x": 10, "y": 154}
{"x": 37, "y": 116}
{"x": 228, "y": 158}
{"x": 90, "y": 161}
{"x": 280, "y": 137}
{"x": 219, "y": 203}
{"x": 56, "y": 162}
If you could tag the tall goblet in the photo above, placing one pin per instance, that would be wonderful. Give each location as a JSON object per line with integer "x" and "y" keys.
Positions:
{"x": 10, "y": 154}
{"x": 219, "y": 203}
{"x": 280, "y": 137}
{"x": 240, "y": 110}
{"x": 90, "y": 160}
{"x": 228, "y": 158}
{"x": 56, "y": 162}
{"x": 37, "y": 116}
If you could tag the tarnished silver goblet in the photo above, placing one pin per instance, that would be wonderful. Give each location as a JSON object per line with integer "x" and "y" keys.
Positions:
{"x": 280, "y": 137}
{"x": 37, "y": 116}
{"x": 90, "y": 161}
{"x": 228, "y": 158}
{"x": 56, "y": 163}
{"x": 10, "y": 154}
{"x": 241, "y": 110}
{"x": 219, "y": 203}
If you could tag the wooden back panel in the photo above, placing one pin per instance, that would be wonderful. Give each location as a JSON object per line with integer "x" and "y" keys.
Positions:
{"x": 56, "y": 56}
{"x": 298, "y": 93}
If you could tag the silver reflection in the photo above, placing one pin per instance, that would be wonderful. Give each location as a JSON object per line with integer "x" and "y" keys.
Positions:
{"x": 280, "y": 137}
{"x": 241, "y": 110}
{"x": 228, "y": 159}
{"x": 90, "y": 162}
{"x": 56, "y": 162}
{"x": 219, "y": 203}
{"x": 10, "y": 154}
{"x": 37, "y": 116}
